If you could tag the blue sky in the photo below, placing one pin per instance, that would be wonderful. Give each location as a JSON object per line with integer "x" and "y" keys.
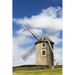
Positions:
{"x": 23, "y": 8}
{"x": 48, "y": 14}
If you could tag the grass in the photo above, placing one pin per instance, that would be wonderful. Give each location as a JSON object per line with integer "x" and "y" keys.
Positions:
{"x": 55, "y": 71}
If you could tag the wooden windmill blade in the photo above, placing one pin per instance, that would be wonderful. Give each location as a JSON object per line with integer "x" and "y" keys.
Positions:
{"x": 28, "y": 54}
{"x": 30, "y": 51}
{"x": 54, "y": 60}
{"x": 53, "y": 52}
{"x": 50, "y": 45}
{"x": 29, "y": 26}
{"x": 26, "y": 26}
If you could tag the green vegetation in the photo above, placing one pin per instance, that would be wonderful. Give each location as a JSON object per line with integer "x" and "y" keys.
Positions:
{"x": 55, "y": 71}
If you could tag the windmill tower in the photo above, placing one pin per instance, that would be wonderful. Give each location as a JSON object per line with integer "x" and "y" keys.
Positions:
{"x": 43, "y": 49}
{"x": 44, "y": 53}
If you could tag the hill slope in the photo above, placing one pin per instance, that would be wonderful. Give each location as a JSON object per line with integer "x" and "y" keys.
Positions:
{"x": 56, "y": 71}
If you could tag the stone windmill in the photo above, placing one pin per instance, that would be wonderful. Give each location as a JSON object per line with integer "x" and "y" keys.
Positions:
{"x": 44, "y": 53}
{"x": 43, "y": 49}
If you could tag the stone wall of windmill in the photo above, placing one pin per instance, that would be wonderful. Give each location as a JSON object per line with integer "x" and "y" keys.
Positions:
{"x": 44, "y": 54}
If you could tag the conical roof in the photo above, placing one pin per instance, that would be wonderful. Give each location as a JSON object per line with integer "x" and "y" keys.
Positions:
{"x": 44, "y": 39}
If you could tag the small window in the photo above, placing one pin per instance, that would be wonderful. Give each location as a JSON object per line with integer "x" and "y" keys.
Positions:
{"x": 43, "y": 45}
{"x": 43, "y": 53}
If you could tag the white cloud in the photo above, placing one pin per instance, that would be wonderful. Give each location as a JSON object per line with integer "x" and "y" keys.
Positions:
{"x": 55, "y": 39}
{"x": 58, "y": 55}
{"x": 46, "y": 19}
{"x": 18, "y": 51}
{"x": 27, "y": 33}
{"x": 53, "y": 11}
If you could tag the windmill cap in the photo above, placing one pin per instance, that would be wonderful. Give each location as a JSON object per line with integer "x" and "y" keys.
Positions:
{"x": 44, "y": 39}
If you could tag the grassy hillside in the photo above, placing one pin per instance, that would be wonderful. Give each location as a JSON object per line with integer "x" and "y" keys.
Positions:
{"x": 55, "y": 71}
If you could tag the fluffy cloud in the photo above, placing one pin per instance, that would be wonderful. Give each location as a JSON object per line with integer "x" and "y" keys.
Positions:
{"x": 58, "y": 55}
{"x": 19, "y": 51}
{"x": 55, "y": 39}
{"x": 48, "y": 18}
{"x": 36, "y": 31}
